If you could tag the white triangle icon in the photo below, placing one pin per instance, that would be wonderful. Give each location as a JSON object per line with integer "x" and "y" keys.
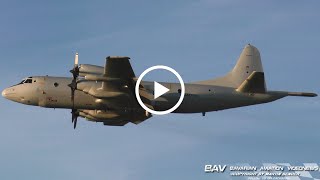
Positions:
{"x": 159, "y": 90}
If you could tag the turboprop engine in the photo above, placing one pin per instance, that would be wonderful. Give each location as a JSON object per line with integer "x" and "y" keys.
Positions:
{"x": 109, "y": 118}
{"x": 99, "y": 115}
{"x": 88, "y": 69}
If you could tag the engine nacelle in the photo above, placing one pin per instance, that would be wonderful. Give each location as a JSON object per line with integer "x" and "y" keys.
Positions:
{"x": 101, "y": 115}
{"x": 88, "y": 69}
{"x": 108, "y": 118}
{"x": 88, "y": 117}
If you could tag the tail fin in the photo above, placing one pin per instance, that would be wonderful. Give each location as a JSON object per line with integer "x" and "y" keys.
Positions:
{"x": 248, "y": 76}
{"x": 248, "y": 63}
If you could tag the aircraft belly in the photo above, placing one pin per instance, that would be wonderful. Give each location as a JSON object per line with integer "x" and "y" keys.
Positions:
{"x": 215, "y": 102}
{"x": 197, "y": 104}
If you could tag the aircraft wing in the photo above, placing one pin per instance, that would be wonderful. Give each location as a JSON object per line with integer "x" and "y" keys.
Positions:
{"x": 119, "y": 73}
{"x": 117, "y": 91}
{"x": 119, "y": 68}
{"x": 117, "y": 79}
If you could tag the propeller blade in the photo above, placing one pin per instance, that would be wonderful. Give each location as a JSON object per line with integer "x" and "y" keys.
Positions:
{"x": 73, "y": 114}
{"x": 76, "y": 60}
{"x": 75, "y": 70}
{"x": 75, "y": 123}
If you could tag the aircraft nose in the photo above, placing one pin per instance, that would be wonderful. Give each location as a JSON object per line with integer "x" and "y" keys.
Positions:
{"x": 10, "y": 94}
{"x": 4, "y": 93}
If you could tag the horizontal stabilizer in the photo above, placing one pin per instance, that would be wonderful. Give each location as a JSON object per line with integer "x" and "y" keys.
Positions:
{"x": 306, "y": 94}
{"x": 255, "y": 83}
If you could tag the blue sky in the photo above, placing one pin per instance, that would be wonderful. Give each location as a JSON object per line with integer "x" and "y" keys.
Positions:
{"x": 201, "y": 40}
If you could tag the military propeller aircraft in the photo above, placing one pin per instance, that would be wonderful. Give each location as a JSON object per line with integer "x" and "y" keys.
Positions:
{"x": 106, "y": 94}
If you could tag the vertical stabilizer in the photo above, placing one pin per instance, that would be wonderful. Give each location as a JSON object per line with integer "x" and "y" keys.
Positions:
{"x": 248, "y": 62}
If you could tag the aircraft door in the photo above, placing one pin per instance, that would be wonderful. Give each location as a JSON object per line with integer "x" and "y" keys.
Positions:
{"x": 40, "y": 90}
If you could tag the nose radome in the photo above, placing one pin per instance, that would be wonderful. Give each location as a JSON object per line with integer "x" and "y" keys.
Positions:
{"x": 4, "y": 94}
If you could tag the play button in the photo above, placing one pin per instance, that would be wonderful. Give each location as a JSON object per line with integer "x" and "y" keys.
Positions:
{"x": 159, "y": 90}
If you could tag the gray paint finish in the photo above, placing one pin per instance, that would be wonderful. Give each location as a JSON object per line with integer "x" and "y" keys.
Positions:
{"x": 107, "y": 95}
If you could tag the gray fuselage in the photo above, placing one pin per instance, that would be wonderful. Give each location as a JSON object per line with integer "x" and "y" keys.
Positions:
{"x": 54, "y": 92}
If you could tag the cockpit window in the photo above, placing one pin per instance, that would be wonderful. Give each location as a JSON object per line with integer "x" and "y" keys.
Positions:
{"x": 28, "y": 81}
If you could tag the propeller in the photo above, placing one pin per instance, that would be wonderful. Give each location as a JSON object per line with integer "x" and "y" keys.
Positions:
{"x": 75, "y": 74}
{"x": 74, "y": 118}
{"x": 73, "y": 86}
